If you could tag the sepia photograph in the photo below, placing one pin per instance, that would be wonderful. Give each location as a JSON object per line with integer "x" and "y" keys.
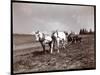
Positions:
{"x": 49, "y": 37}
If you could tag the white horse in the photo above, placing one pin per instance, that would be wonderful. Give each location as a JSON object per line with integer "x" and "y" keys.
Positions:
{"x": 44, "y": 39}
{"x": 59, "y": 38}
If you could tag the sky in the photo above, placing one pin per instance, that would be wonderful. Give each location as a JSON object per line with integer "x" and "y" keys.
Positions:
{"x": 30, "y": 17}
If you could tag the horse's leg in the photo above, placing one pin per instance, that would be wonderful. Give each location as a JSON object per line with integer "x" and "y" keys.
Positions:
{"x": 72, "y": 40}
{"x": 75, "y": 39}
{"x": 80, "y": 39}
{"x": 58, "y": 41}
{"x": 64, "y": 43}
{"x": 43, "y": 46}
{"x": 52, "y": 47}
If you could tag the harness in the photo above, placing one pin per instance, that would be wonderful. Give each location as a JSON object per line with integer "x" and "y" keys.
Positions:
{"x": 57, "y": 34}
{"x": 43, "y": 38}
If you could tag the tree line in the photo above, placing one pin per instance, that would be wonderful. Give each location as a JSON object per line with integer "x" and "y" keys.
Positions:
{"x": 85, "y": 31}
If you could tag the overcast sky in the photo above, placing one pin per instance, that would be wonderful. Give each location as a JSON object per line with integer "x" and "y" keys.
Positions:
{"x": 30, "y": 17}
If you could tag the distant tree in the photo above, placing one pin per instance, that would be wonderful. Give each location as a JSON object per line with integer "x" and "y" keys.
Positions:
{"x": 80, "y": 32}
{"x": 90, "y": 31}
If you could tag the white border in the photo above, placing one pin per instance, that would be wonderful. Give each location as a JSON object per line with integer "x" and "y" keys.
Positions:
{"x": 5, "y": 37}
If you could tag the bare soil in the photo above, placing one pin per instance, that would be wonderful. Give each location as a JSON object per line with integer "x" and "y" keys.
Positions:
{"x": 28, "y": 55}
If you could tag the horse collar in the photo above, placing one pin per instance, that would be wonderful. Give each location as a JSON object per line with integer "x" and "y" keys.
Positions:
{"x": 42, "y": 39}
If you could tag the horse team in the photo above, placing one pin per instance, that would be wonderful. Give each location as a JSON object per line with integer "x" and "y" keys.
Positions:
{"x": 57, "y": 40}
